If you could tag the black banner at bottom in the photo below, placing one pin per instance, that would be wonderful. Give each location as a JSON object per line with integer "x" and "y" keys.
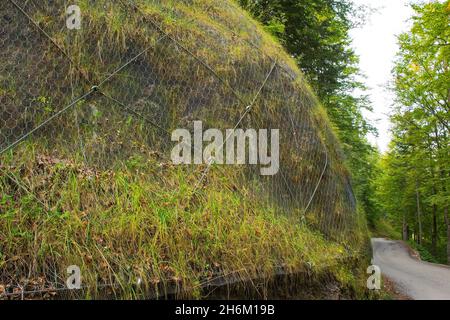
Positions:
{"x": 234, "y": 309}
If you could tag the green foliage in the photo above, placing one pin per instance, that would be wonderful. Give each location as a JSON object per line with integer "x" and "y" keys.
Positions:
{"x": 383, "y": 228}
{"x": 413, "y": 188}
{"x": 315, "y": 32}
{"x": 425, "y": 255}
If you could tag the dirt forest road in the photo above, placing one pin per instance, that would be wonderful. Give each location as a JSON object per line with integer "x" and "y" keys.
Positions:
{"x": 412, "y": 277}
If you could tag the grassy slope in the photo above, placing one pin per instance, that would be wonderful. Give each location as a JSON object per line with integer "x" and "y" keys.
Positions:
{"x": 139, "y": 218}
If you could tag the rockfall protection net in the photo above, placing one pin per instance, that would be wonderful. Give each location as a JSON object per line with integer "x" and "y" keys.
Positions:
{"x": 110, "y": 94}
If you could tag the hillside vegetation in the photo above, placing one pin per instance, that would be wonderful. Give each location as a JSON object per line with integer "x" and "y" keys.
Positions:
{"x": 94, "y": 187}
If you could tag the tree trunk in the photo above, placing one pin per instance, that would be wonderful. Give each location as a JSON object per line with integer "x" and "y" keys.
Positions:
{"x": 434, "y": 231}
{"x": 419, "y": 215}
{"x": 405, "y": 233}
{"x": 447, "y": 223}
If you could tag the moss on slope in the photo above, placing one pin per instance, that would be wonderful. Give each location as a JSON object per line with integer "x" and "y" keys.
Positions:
{"x": 101, "y": 193}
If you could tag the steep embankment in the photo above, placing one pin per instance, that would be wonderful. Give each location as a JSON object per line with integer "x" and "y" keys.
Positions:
{"x": 93, "y": 185}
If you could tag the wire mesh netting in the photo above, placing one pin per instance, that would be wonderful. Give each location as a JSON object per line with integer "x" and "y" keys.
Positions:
{"x": 79, "y": 106}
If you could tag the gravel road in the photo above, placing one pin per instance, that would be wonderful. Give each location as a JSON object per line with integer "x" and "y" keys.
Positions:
{"x": 417, "y": 279}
